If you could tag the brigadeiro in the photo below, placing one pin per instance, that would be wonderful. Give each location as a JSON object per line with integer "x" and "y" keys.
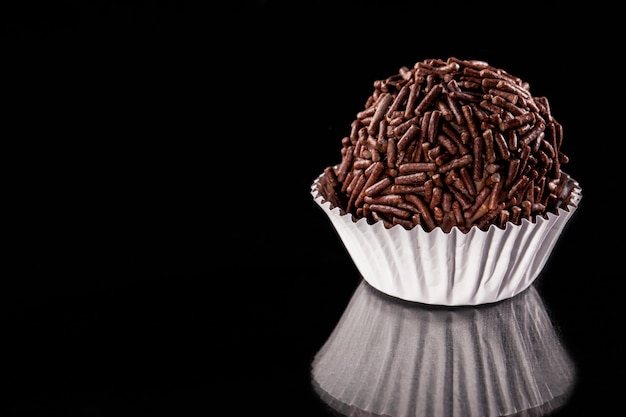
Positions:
{"x": 450, "y": 188}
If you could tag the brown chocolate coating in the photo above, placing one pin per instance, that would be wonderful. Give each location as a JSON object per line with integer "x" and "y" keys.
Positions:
{"x": 454, "y": 143}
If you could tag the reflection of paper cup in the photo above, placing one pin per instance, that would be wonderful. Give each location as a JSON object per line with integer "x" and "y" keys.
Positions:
{"x": 452, "y": 268}
{"x": 389, "y": 357}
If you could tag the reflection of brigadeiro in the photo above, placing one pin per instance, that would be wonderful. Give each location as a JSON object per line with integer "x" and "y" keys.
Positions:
{"x": 389, "y": 357}
{"x": 444, "y": 156}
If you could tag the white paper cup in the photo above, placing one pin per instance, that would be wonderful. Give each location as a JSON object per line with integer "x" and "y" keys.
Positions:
{"x": 455, "y": 268}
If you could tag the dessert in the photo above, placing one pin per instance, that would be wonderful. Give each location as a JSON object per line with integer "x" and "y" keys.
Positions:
{"x": 450, "y": 144}
{"x": 450, "y": 188}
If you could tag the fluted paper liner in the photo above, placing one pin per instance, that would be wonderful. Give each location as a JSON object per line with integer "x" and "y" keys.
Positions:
{"x": 455, "y": 268}
{"x": 390, "y": 357}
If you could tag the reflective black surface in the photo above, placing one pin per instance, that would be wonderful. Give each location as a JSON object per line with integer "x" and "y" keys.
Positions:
{"x": 165, "y": 256}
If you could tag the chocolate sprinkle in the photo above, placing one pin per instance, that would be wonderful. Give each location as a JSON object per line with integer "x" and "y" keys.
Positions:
{"x": 449, "y": 143}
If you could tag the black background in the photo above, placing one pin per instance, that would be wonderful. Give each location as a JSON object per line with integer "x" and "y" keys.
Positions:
{"x": 165, "y": 255}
